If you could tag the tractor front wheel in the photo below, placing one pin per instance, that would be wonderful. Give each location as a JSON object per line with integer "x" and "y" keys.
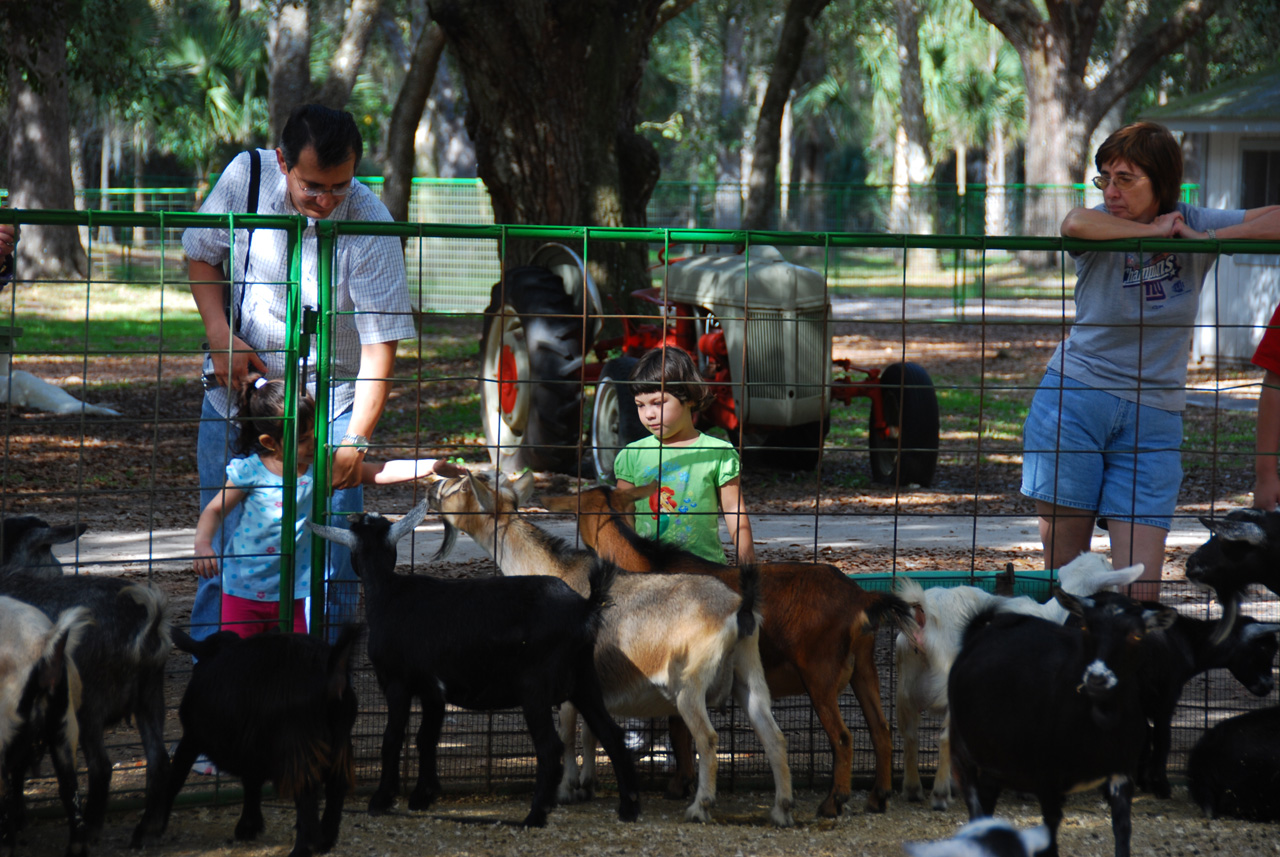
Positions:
{"x": 904, "y": 451}
{"x": 532, "y": 348}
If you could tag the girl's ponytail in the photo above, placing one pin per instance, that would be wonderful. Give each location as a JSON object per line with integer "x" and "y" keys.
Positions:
{"x": 261, "y": 411}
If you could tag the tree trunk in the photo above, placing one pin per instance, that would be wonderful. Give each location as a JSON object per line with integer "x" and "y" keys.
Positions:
{"x": 796, "y": 26}
{"x": 106, "y": 234}
{"x": 733, "y": 99}
{"x": 995, "y": 206}
{"x": 1055, "y": 52}
{"x": 288, "y": 62}
{"x": 405, "y": 117}
{"x": 345, "y": 64}
{"x": 553, "y": 90}
{"x": 912, "y": 160}
{"x": 40, "y": 150}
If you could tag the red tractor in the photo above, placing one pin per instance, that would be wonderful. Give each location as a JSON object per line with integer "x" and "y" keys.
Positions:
{"x": 758, "y": 327}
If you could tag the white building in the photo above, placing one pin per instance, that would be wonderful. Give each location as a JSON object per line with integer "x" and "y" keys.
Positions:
{"x": 1233, "y": 136}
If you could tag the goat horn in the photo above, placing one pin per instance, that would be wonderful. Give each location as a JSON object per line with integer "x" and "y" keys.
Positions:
{"x": 446, "y": 544}
{"x": 333, "y": 534}
{"x": 405, "y": 525}
{"x": 1230, "y": 610}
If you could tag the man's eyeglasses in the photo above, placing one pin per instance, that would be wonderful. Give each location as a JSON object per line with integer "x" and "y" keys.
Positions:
{"x": 1123, "y": 181}
{"x": 316, "y": 192}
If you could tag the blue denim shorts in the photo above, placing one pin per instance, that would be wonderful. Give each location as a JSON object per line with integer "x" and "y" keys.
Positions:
{"x": 1088, "y": 449}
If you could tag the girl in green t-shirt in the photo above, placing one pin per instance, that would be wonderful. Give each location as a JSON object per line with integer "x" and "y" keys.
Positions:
{"x": 696, "y": 475}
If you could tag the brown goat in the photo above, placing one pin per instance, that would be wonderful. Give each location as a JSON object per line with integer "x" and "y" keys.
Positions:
{"x": 818, "y": 634}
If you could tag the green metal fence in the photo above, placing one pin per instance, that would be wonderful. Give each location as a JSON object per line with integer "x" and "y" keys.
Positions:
{"x": 130, "y": 338}
{"x": 456, "y": 277}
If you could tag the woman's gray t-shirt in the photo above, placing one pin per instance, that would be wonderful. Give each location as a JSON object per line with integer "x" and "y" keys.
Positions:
{"x": 1135, "y": 314}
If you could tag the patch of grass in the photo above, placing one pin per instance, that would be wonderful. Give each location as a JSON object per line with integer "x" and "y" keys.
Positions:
{"x": 108, "y": 318}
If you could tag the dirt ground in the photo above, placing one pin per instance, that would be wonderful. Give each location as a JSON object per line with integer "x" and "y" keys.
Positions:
{"x": 488, "y": 825}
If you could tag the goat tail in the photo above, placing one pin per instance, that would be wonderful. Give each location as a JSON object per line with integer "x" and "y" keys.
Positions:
{"x": 201, "y": 649}
{"x": 601, "y": 579}
{"x": 887, "y": 605}
{"x": 154, "y": 640}
{"x": 749, "y": 584}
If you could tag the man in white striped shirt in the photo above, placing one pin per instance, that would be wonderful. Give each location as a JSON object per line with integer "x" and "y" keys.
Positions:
{"x": 311, "y": 174}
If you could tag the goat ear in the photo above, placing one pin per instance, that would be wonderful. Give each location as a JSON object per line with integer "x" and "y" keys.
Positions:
{"x": 567, "y": 503}
{"x": 1073, "y": 605}
{"x": 1249, "y": 532}
{"x": 628, "y": 497}
{"x": 405, "y": 525}
{"x": 523, "y": 486}
{"x": 482, "y": 490}
{"x": 1157, "y": 620}
{"x": 333, "y": 534}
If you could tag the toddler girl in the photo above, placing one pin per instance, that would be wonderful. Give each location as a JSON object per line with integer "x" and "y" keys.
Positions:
{"x": 251, "y": 561}
{"x": 697, "y": 475}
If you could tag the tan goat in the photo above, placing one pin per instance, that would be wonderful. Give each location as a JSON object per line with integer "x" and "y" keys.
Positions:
{"x": 670, "y": 644}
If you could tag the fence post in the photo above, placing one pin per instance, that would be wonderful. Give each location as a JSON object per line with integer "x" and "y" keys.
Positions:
{"x": 292, "y": 359}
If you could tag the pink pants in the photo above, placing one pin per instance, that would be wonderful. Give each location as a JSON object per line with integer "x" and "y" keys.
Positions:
{"x": 247, "y": 617}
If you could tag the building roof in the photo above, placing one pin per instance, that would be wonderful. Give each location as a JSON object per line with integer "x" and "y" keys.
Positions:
{"x": 1247, "y": 106}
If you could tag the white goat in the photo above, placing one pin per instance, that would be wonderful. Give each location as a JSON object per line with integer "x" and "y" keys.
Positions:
{"x": 39, "y": 695}
{"x": 670, "y": 643}
{"x": 924, "y": 657}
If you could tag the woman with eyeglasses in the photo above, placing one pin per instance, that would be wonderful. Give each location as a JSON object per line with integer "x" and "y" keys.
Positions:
{"x": 1102, "y": 437}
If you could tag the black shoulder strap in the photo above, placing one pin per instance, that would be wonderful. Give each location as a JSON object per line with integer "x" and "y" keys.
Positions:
{"x": 251, "y": 207}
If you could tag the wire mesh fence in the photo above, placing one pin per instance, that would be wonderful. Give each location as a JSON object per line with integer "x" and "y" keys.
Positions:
{"x": 130, "y": 339}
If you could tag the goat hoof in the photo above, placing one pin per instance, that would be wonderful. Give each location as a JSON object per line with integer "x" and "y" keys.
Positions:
{"x": 419, "y": 801}
{"x": 380, "y": 803}
{"x": 248, "y": 828}
{"x": 939, "y": 803}
{"x": 781, "y": 816}
{"x": 877, "y": 800}
{"x": 700, "y": 811}
{"x": 535, "y": 818}
{"x": 832, "y": 806}
{"x": 913, "y": 794}
{"x": 629, "y": 807}
{"x": 677, "y": 789}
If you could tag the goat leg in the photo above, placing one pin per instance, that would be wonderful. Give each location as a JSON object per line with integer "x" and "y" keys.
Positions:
{"x": 335, "y": 795}
{"x": 942, "y": 778}
{"x": 398, "y": 702}
{"x": 1119, "y": 793}
{"x": 94, "y": 747}
{"x": 428, "y": 787}
{"x": 570, "y": 789}
{"x": 251, "y": 822}
{"x": 693, "y": 710}
{"x": 548, "y": 748}
{"x": 865, "y": 683}
{"x": 64, "y": 765}
{"x": 151, "y": 731}
{"x": 591, "y": 703}
{"x": 682, "y": 749}
{"x": 307, "y": 805}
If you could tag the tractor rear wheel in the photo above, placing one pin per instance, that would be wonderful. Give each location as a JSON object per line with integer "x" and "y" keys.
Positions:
{"x": 793, "y": 448}
{"x": 614, "y": 419}
{"x": 532, "y": 348}
{"x": 905, "y": 451}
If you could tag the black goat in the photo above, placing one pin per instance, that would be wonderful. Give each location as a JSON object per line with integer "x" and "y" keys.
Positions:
{"x": 1234, "y": 769}
{"x": 26, "y": 544}
{"x": 272, "y": 707}
{"x": 121, "y": 661}
{"x": 39, "y": 688}
{"x": 524, "y": 642}
{"x": 1047, "y": 709}
{"x": 1179, "y": 653}
{"x": 1243, "y": 548}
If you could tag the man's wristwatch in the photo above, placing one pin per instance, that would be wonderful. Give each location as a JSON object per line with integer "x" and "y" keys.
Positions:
{"x": 358, "y": 441}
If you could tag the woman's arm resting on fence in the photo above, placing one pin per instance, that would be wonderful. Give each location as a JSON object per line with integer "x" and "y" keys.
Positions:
{"x": 207, "y": 286}
{"x": 1259, "y": 223}
{"x": 1091, "y": 224}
